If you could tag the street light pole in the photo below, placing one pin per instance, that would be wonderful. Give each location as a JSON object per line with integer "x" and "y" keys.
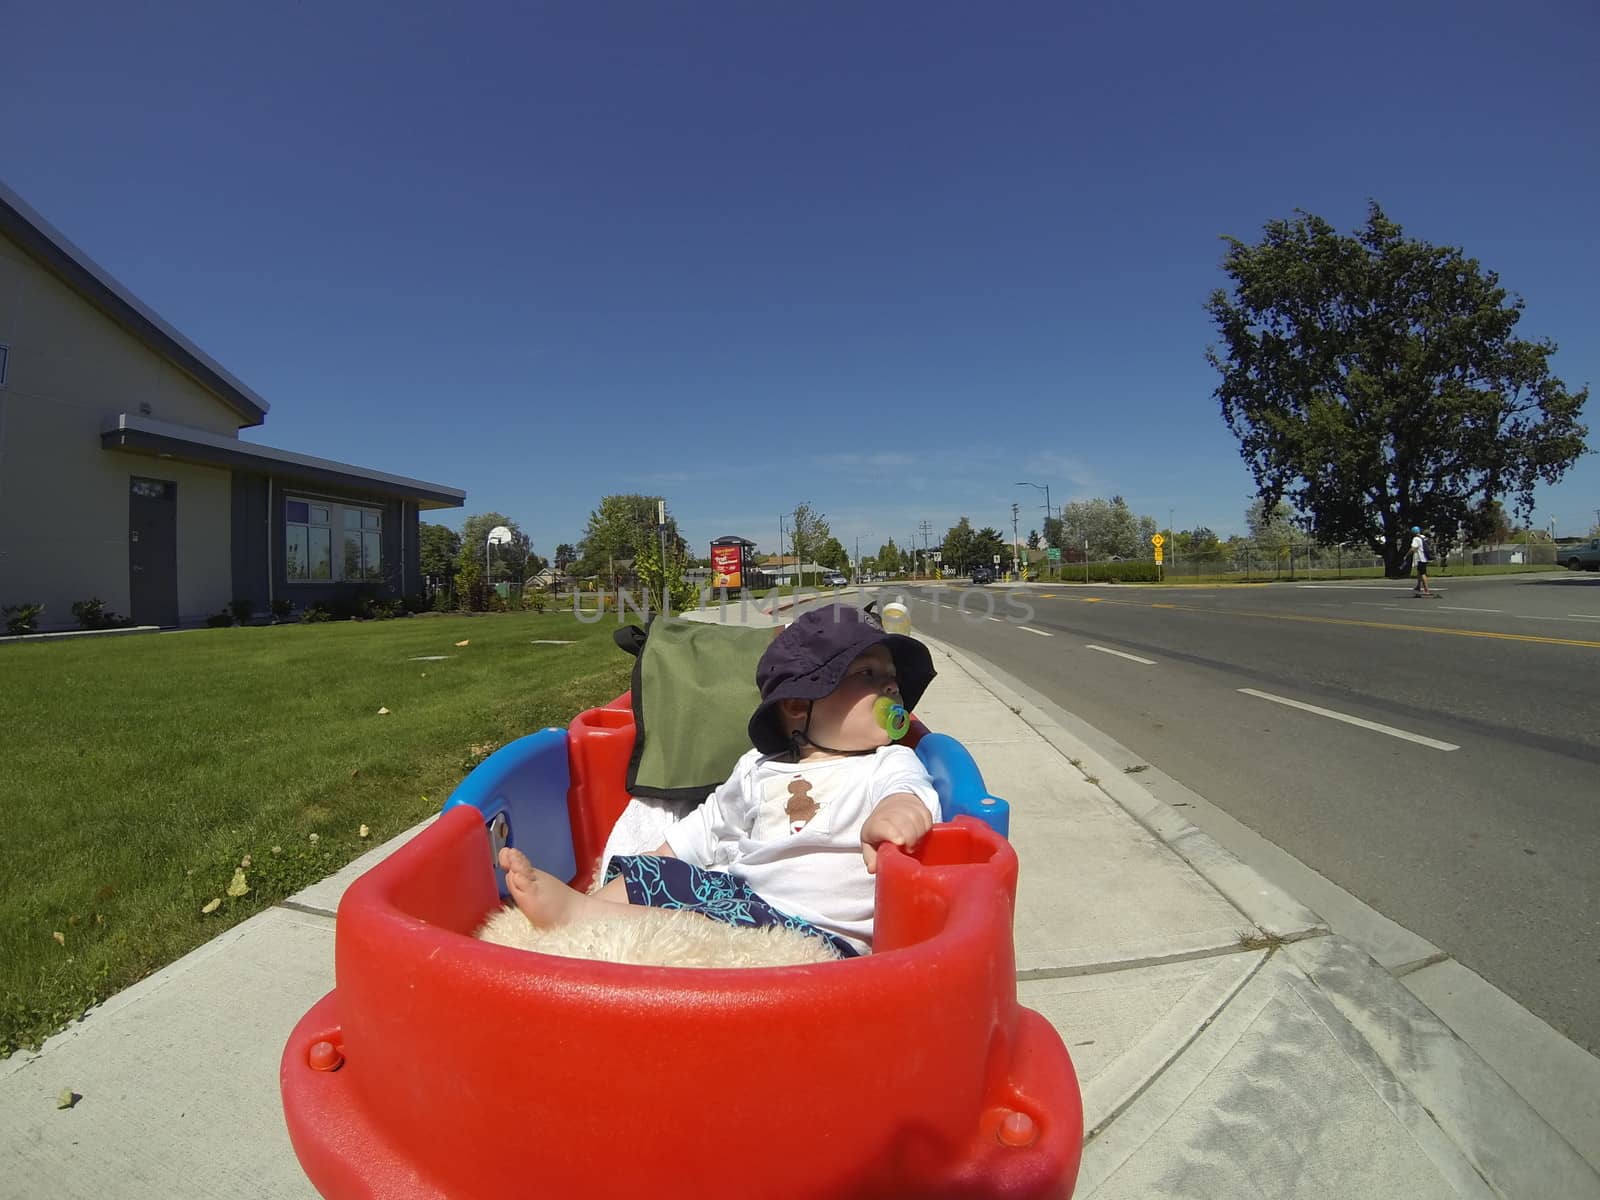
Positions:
{"x": 1048, "y": 511}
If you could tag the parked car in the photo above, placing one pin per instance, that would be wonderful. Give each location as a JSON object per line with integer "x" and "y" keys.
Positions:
{"x": 982, "y": 575}
{"x": 834, "y": 579}
{"x": 1580, "y": 558}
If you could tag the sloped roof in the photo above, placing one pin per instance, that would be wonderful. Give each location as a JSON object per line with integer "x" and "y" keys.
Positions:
{"x": 46, "y": 245}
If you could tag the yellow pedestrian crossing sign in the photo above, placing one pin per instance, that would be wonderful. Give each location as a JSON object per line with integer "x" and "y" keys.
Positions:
{"x": 1157, "y": 540}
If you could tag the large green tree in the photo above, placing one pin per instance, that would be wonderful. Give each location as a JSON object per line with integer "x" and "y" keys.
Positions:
{"x": 619, "y": 528}
{"x": 957, "y": 548}
{"x": 1110, "y": 527}
{"x": 1374, "y": 380}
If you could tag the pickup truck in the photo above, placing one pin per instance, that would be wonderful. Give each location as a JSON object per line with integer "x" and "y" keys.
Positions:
{"x": 1582, "y": 557}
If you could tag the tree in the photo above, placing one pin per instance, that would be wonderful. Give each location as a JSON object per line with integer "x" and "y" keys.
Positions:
{"x": 618, "y": 528}
{"x": 566, "y": 555}
{"x": 1109, "y": 525}
{"x": 438, "y": 546}
{"x": 504, "y": 562}
{"x": 809, "y": 533}
{"x": 834, "y": 555}
{"x": 888, "y": 557}
{"x": 1374, "y": 381}
{"x": 1033, "y": 539}
{"x": 987, "y": 543}
{"x": 1274, "y": 530}
{"x": 958, "y": 547}
{"x": 1198, "y": 542}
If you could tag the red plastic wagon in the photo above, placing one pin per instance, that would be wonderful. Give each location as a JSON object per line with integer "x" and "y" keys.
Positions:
{"x": 443, "y": 1066}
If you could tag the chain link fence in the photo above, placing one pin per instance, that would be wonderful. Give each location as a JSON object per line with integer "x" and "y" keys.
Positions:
{"x": 1255, "y": 563}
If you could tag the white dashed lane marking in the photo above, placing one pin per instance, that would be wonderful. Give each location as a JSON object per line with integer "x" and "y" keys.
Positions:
{"x": 1149, "y": 662}
{"x": 1349, "y": 720}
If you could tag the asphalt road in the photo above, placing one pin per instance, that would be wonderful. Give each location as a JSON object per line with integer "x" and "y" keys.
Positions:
{"x": 1468, "y": 810}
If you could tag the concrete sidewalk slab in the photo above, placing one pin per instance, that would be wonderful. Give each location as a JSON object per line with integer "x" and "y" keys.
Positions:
{"x": 1083, "y": 858}
{"x": 1506, "y": 1141}
{"x": 1270, "y": 1101}
{"x": 178, "y": 1077}
{"x": 1127, "y": 1026}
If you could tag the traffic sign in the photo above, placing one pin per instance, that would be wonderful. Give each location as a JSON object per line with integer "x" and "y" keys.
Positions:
{"x": 1157, "y": 540}
{"x": 1053, "y": 554}
{"x": 1158, "y": 554}
{"x": 997, "y": 560}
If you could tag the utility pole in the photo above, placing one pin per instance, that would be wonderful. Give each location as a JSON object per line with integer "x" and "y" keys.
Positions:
{"x": 926, "y": 529}
{"x": 857, "y": 579}
{"x": 1016, "y": 546}
{"x": 780, "y": 541}
{"x": 1172, "y": 539}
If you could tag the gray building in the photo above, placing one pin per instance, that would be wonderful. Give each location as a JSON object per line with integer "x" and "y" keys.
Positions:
{"x": 123, "y": 476}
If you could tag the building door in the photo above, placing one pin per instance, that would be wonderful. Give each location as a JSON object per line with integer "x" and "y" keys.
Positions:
{"x": 153, "y": 551}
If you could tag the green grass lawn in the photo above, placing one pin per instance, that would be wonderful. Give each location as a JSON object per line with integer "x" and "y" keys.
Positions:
{"x": 140, "y": 772}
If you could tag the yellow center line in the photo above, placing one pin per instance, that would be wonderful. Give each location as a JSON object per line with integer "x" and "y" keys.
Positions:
{"x": 1469, "y": 633}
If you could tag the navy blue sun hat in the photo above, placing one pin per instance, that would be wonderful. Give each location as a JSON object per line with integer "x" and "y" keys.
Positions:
{"x": 809, "y": 658}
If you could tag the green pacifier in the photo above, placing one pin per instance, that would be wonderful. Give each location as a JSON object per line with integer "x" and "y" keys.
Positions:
{"x": 893, "y": 717}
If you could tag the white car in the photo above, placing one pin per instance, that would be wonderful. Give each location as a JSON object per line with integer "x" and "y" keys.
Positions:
{"x": 834, "y": 579}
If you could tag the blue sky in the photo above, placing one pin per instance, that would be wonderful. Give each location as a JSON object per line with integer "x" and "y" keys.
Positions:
{"x": 884, "y": 258}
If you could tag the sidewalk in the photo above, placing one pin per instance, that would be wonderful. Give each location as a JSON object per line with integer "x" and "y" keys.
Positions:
{"x": 1227, "y": 1044}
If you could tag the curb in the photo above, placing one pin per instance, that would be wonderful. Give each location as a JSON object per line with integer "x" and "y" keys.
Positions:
{"x": 1490, "y": 1123}
{"x": 1279, "y": 916}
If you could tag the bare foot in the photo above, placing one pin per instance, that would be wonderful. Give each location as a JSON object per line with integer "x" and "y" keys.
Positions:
{"x": 539, "y": 895}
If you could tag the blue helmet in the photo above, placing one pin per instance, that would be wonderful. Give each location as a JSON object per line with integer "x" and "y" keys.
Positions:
{"x": 1416, "y": 529}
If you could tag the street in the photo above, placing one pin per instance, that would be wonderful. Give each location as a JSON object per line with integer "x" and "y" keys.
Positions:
{"x": 1435, "y": 758}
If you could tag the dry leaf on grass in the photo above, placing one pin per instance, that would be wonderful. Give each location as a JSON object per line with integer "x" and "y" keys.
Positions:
{"x": 212, "y": 905}
{"x": 61, "y": 938}
{"x": 463, "y": 641}
{"x": 237, "y": 885}
{"x": 383, "y": 712}
{"x": 363, "y": 831}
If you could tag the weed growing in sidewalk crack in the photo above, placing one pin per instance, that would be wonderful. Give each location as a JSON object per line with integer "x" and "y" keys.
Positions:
{"x": 1134, "y": 770}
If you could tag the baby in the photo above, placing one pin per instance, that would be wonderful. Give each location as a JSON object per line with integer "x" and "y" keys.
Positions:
{"x": 792, "y": 837}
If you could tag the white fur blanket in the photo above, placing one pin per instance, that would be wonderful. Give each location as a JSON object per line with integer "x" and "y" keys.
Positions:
{"x": 659, "y": 938}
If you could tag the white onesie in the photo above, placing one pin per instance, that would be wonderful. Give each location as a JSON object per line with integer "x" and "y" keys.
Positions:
{"x": 792, "y": 831}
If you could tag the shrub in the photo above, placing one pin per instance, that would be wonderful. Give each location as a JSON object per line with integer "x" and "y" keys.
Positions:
{"x": 315, "y": 613}
{"x": 22, "y": 618}
{"x": 242, "y": 610}
{"x": 1132, "y": 571}
{"x": 442, "y": 602}
{"x": 220, "y": 620}
{"x": 537, "y": 601}
{"x": 414, "y": 603}
{"x": 281, "y": 608}
{"x": 92, "y": 614}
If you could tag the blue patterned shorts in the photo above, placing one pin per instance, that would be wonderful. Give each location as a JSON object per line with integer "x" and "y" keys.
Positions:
{"x": 662, "y": 882}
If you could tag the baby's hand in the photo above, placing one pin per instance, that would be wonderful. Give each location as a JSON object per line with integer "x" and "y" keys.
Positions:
{"x": 901, "y": 818}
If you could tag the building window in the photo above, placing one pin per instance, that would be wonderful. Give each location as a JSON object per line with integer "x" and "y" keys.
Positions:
{"x": 310, "y": 529}
{"x": 5, "y": 355}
